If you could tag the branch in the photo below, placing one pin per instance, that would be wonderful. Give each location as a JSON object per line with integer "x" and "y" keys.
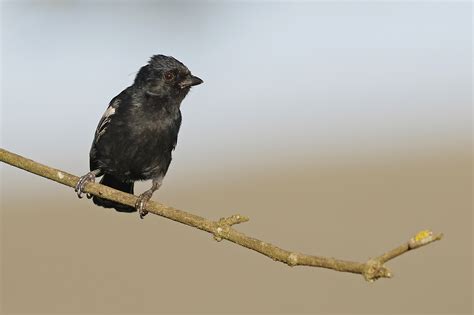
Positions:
{"x": 371, "y": 270}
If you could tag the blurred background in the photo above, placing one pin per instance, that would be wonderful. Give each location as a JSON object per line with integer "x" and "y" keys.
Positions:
{"x": 339, "y": 128}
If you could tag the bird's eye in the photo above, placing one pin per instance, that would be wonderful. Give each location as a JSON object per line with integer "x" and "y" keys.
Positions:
{"x": 169, "y": 75}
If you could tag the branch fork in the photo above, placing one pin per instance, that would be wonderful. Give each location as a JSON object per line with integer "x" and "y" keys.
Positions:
{"x": 224, "y": 225}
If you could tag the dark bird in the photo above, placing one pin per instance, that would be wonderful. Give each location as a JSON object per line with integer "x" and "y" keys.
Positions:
{"x": 138, "y": 132}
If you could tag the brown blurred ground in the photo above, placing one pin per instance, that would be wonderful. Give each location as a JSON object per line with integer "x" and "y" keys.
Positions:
{"x": 61, "y": 254}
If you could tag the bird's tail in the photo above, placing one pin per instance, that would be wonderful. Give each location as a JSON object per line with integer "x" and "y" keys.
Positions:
{"x": 112, "y": 182}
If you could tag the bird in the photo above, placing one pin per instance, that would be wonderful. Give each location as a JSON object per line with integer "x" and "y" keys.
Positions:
{"x": 138, "y": 132}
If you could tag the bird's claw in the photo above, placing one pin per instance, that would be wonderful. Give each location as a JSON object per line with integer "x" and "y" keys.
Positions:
{"x": 141, "y": 202}
{"x": 89, "y": 177}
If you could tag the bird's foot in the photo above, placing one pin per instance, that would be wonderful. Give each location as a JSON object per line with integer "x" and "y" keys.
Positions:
{"x": 89, "y": 177}
{"x": 141, "y": 202}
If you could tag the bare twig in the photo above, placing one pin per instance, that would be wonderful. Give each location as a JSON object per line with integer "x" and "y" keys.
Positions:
{"x": 371, "y": 270}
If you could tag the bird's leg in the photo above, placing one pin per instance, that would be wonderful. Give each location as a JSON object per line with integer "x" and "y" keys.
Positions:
{"x": 143, "y": 198}
{"x": 89, "y": 177}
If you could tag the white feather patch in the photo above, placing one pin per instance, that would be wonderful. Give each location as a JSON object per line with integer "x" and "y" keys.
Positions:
{"x": 109, "y": 112}
{"x": 105, "y": 120}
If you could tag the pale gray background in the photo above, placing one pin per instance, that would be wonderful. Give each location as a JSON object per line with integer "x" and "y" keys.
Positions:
{"x": 340, "y": 128}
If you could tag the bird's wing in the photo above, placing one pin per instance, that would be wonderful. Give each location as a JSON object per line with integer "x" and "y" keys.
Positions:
{"x": 105, "y": 120}
{"x": 177, "y": 125}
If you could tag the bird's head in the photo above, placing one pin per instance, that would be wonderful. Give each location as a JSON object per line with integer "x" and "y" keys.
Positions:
{"x": 167, "y": 78}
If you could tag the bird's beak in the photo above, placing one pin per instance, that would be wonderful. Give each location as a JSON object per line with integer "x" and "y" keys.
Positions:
{"x": 190, "y": 80}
